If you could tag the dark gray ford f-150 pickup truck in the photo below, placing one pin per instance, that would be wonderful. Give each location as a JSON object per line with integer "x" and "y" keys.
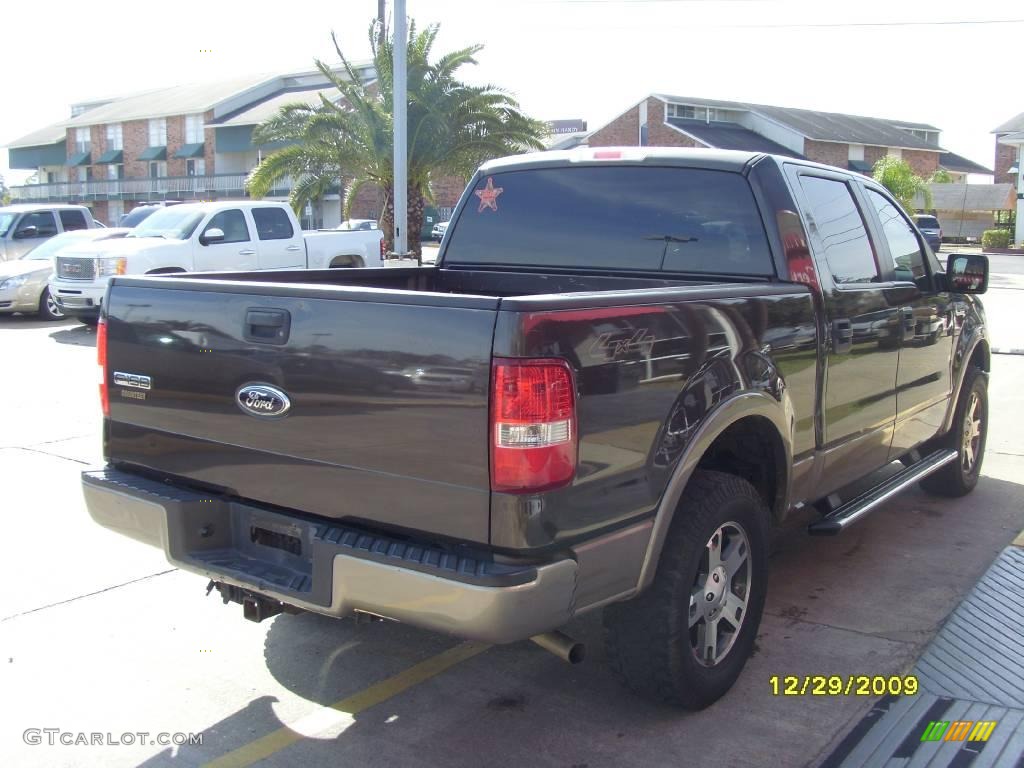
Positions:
{"x": 625, "y": 369}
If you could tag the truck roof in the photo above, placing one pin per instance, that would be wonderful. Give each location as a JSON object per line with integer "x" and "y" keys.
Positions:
{"x": 219, "y": 205}
{"x": 711, "y": 159}
{"x": 28, "y": 207}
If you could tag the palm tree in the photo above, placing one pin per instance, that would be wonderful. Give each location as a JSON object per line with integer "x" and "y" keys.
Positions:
{"x": 896, "y": 175}
{"x": 452, "y": 127}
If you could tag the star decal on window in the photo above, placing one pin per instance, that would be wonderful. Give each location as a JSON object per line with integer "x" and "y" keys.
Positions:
{"x": 488, "y": 196}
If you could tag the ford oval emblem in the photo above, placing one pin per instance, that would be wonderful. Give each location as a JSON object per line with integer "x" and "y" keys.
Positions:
{"x": 262, "y": 400}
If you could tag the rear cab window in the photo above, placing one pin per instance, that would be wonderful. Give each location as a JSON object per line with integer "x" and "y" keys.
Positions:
{"x": 71, "y": 220}
{"x": 272, "y": 224}
{"x": 842, "y": 234}
{"x": 642, "y": 218}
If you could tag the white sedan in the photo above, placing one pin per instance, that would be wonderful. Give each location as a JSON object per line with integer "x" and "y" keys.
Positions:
{"x": 24, "y": 282}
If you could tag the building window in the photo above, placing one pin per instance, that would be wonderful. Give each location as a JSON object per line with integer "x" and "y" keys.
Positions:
{"x": 85, "y": 173}
{"x": 642, "y": 138}
{"x": 115, "y": 210}
{"x": 51, "y": 177}
{"x": 115, "y": 172}
{"x": 690, "y": 112}
{"x": 856, "y": 153}
{"x": 196, "y": 167}
{"x": 158, "y": 132}
{"x": 157, "y": 169}
{"x": 115, "y": 136}
{"x": 193, "y": 129}
{"x": 82, "y": 140}
{"x": 895, "y": 152}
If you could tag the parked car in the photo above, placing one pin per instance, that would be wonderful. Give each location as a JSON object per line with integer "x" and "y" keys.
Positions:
{"x": 143, "y": 211}
{"x": 24, "y": 226}
{"x": 359, "y": 225}
{"x": 206, "y": 237}
{"x": 24, "y": 283}
{"x": 663, "y": 385}
{"x": 437, "y": 233}
{"x": 931, "y": 229}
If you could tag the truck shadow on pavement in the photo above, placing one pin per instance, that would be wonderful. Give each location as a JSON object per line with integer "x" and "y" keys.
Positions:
{"x": 866, "y": 602}
{"x": 77, "y": 334}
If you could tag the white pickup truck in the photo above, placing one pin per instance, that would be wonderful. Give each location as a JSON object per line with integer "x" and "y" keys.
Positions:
{"x": 206, "y": 237}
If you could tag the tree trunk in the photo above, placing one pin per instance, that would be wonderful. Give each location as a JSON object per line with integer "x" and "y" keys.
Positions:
{"x": 417, "y": 203}
{"x": 387, "y": 219}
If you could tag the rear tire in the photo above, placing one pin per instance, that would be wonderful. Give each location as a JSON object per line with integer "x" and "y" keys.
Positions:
{"x": 48, "y": 307}
{"x": 967, "y": 438}
{"x": 686, "y": 639}
{"x": 90, "y": 320}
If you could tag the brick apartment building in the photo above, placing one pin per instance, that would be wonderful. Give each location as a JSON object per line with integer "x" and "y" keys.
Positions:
{"x": 1008, "y": 156}
{"x": 1009, "y": 139}
{"x": 189, "y": 142}
{"x": 845, "y": 141}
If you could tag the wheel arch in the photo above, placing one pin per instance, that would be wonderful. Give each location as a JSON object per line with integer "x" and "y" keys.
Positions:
{"x": 347, "y": 261}
{"x": 166, "y": 271}
{"x": 748, "y": 425}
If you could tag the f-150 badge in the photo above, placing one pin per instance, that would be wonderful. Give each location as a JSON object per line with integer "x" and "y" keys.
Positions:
{"x": 262, "y": 400}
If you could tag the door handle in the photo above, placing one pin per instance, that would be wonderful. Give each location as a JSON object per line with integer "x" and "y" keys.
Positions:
{"x": 842, "y": 335}
{"x": 267, "y": 325}
{"x": 909, "y": 323}
{"x": 294, "y": 248}
{"x": 247, "y": 252}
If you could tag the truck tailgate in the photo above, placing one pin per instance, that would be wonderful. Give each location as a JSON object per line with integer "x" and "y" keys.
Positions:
{"x": 388, "y": 397}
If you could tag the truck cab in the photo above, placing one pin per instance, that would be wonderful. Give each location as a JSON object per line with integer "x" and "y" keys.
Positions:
{"x": 23, "y": 227}
{"x": 205, "y": 237}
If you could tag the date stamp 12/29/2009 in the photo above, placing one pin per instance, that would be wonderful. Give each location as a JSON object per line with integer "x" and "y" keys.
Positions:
{"x": 844, "y": 685}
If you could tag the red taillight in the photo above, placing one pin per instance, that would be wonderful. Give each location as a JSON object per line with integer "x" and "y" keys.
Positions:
{"x": 608, "y": 154}
{"x": 101, "y": 358}
{"x": 533, "y": 425}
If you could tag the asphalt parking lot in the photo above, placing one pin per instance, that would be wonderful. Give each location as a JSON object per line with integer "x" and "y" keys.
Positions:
{"x": 100, "y": 635}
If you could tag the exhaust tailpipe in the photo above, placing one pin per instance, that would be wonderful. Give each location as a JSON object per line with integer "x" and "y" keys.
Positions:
{"x": 563, "y": 646}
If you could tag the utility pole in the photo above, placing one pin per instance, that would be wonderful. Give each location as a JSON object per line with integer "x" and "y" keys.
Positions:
{"x": 380, "y": 22}
{"x": 401, "y": 149}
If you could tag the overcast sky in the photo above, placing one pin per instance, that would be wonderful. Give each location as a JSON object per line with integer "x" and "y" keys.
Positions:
{"x": 956, "y": 65}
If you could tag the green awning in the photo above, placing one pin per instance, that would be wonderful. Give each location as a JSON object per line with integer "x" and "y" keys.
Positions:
{"x": 190, "y": 150}
{"x": 111, "y": 157}
{"x": 860, "y": 166}
{"x": 154, "y": 153}
{"x": 80, "y": 158}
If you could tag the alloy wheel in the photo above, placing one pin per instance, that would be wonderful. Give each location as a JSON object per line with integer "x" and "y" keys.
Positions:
{"x": 718, "y": 598}
{"x": 972, "y": 429}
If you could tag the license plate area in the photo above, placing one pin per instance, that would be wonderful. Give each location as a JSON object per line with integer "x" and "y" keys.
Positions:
{"x": 257, "y": 546}
{"x": 286, "y": 542}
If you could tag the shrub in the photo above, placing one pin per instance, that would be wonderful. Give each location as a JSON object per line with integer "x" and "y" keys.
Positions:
{"x": 995, "y": 238}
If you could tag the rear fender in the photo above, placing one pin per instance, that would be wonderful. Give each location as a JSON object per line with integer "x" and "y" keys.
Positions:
{"x": 727, "y": 413}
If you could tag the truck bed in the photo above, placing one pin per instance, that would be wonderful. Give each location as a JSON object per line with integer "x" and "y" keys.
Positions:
{"x": 388, "y": 373}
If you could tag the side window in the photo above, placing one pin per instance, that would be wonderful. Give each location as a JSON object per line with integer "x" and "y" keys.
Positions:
{"x": 272, "y": 224}
{"x": 43, "y": 221}
{"x": 232, "y": 223}
{"x": 843, "y": 236}
{"x": 73, "y": 220}
{"x": 904, "y": 247}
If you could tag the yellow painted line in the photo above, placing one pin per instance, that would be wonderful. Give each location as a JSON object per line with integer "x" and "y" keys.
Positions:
{"x": 1019, "y": 541}
{"x": 322, "y": 719}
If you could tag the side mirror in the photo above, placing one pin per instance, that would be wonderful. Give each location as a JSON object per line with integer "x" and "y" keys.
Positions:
{"x": 26, "y": 232}
{"x": 967, "y": 273}
{"x": 212, "y": 235}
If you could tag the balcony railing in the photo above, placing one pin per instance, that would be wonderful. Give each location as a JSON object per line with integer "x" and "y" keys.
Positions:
{"x": 188, "y": 187}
